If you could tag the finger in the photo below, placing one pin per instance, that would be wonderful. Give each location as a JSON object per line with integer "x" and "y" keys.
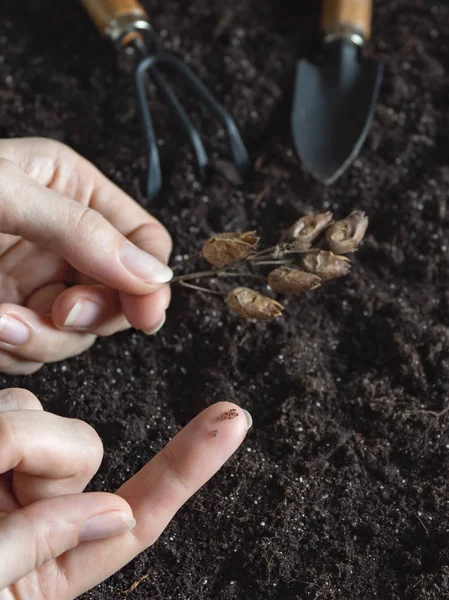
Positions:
{"x": 50, "y": 455}
{"x": 34, "y": 535}
{"x": 147, "y": 312}
{"x": 95, "y": 309}
{"x": 11, "y": 365}
{"x": 100, "y": 310}
{"x": 143, "y": 230}
{"x": 81, "y": 235}
{"x": 156, "y": 493}
{"x": 18, "y": 399}
{"x": 42, "y": 299}
{"x": 29, "y": 336}
{"x": 63, "y": 170}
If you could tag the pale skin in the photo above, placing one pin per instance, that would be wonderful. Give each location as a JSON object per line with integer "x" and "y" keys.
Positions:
{"x": 68, "y": 234}
{"x": 57, "y": 542}
{"x": 80, "y": 259}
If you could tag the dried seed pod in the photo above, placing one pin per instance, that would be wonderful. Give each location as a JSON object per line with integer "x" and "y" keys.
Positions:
{"x": 304, "y": 231}
{"x": 286, "y": 280}
{"x": 344, "y": 236}
{"x": 326, "y": 264}
{"x": 226, "y": 248}
{"x": 249, "y": 304}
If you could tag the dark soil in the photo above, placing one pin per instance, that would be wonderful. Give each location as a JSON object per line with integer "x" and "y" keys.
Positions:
{"x": 341, "y": 489}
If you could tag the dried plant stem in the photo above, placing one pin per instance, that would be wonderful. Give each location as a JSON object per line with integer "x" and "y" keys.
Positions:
{"x": 313, "y": 252}
{"x": 199, "y": 288}
{"x": 278, "y": 262}
{"x": 269, "y": 256}
{"x": 199, "y": 275}
{"x": 218, "y": 273}
{"x": 274, "y": 251}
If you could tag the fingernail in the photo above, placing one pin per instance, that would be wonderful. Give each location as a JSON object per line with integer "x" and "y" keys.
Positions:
{"x": 157, "y": 328}
{"x": 84, "y": 314}
{"x": 143, "y": 265}
{"x": 13, "y": 331}
{"x": 249, "y": 418}
{"x": 106, "y": 526}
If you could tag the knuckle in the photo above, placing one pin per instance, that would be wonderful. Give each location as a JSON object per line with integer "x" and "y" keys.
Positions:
{"x": 52, "y": 576}
{"x": 53, "y": 149}
{"x": 167, "y": 239}
{"x": 87, "y": 223}
{"x": 8, "y": 178}
{"x": 49, "y": 541}
{"x": 174, "y": 463}
{"x": 45, "y": 548}
{"x": 153, "y": 237}
{"x": 91, "y": 447}
{"x": 6, "y": 431}
{"x": 162, "y": 232}
{"x": 10, "y": 452}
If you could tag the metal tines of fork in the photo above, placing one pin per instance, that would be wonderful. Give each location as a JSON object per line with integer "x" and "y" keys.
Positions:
{"x": 126, "y": 24}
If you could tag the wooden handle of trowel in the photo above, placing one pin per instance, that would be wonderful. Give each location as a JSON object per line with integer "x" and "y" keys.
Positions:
{"x": 347, "y": 16}
{"x": 103, "y": 12}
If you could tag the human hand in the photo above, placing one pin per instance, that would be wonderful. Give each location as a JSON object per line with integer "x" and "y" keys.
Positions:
{"x": 55, "y": 542}
{"x": 78, "y": 257}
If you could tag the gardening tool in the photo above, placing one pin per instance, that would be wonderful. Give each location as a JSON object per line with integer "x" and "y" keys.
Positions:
{"x": 334, "y": 101}
{"x": 126, "y": 24}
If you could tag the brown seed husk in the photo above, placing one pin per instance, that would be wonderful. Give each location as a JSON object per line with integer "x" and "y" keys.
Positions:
{"x": 249, "y": 304}
{"x": 226, "y": 248}
{"x": 285, "y": 280}
{"x": 344, "y": 236}
{"x": 326, "y": 264}
{"x": 306, "y": 229}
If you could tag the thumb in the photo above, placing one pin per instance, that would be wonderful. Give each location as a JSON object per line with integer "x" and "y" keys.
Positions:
{"x": 79, "y": 234}
{"x": 44, "y": 530}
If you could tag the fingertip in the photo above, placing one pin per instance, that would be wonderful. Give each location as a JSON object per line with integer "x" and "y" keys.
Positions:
{"x": 89, "y": 309}
{"x": 227, "y": 423}
{"x": 155, "y": 239}
{"x": 146, "y": 313}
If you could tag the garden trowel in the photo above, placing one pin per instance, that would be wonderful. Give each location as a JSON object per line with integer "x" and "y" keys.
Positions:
{"x": 334, "y": 101}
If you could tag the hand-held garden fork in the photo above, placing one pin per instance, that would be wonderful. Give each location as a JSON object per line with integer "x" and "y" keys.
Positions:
{"x": 126, "y": 24}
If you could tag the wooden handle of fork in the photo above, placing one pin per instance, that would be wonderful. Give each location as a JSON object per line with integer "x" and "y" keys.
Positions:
{"x": 103, "y": 12}
{"x": 347, "y": 15}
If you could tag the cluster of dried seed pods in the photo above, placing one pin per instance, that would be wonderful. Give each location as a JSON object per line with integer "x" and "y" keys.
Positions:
{"x": 314, "y": 252}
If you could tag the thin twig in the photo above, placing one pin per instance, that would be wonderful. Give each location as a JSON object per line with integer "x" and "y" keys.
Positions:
{"x": 274, "y": 251}
{"x": 198, "y": 275}
{"x": 435, "y": 413}
{"x": 218, "y": 273}
{"x": 201, "y": 289}
{"x": 422, "y": 523}
{"x": 278, "y": 262}
{"x": 252, "y": 275}
{"x": 135, "y": 585}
